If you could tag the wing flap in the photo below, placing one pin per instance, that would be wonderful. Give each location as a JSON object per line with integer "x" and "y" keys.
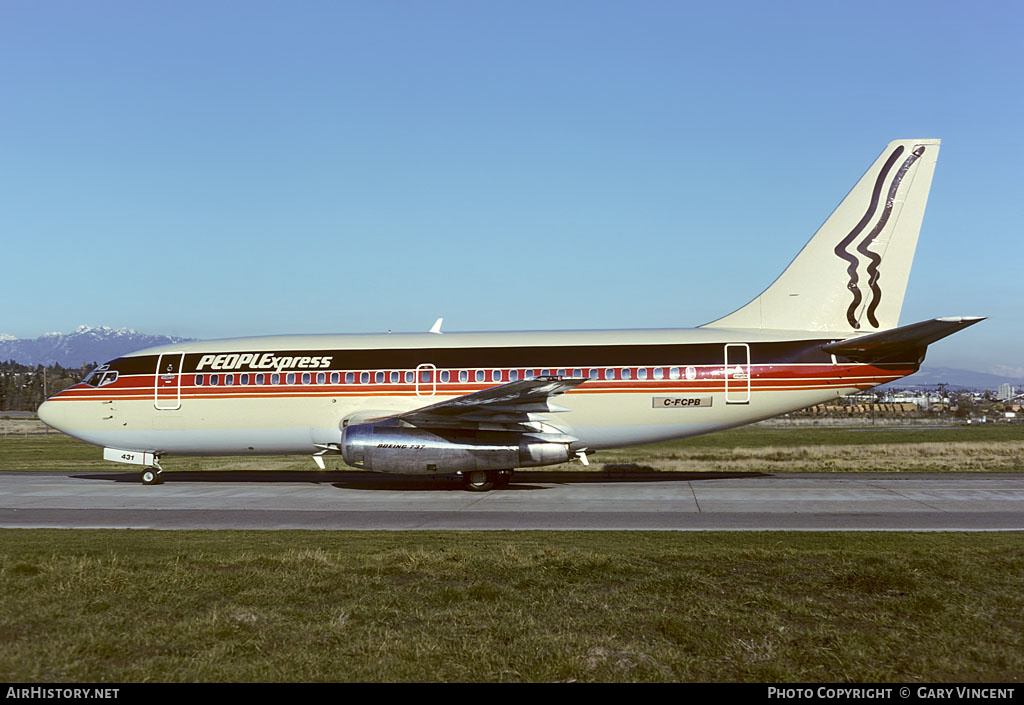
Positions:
{"x": 550, "y": 437}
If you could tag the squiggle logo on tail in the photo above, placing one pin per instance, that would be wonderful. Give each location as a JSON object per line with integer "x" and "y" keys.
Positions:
{"x": 874, "y": 259}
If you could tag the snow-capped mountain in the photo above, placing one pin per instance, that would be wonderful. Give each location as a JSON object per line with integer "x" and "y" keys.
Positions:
{"x": 86, "y": 344}
{"x": 89, "y": 344}
{"x": 929, "y": 376}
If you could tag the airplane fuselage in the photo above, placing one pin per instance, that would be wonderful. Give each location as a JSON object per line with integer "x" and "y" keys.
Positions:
{"x": 294, "y": 394}
{"x": 480, "y": 404}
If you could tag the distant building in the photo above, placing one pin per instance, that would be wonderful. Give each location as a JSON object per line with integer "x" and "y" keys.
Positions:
{"x": 1007, "y": 391}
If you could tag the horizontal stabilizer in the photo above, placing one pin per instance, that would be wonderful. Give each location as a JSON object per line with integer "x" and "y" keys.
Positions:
{"x": 914, "y": 337}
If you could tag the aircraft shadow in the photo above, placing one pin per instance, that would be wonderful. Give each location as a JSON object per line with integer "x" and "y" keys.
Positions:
{"x": 525, "y": 480}
{"x": 362, "y": 480}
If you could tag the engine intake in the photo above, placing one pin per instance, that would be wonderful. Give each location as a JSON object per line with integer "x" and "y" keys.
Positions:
{"x": 386, "y": 447}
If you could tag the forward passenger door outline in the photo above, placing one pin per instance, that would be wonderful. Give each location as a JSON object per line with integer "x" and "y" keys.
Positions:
{"x": 167, "y": 381}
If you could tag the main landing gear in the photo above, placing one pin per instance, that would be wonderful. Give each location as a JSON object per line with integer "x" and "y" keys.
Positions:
{"x": 152, "y": 476}
{"x": 483, "y": 480}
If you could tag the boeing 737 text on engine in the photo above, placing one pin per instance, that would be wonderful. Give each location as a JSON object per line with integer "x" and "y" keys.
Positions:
{"x": 481, "y": 404}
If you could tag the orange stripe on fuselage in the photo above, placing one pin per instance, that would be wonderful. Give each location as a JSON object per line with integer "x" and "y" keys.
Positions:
{"x": 709, "y": 378}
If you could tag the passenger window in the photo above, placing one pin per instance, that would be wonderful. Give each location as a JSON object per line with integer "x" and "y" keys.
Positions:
{"x": 364, "y": 378}
{"x": 290, "y": 378}
{"x": 379, "y": 378}
{"x": 350, "y": 377}
{"x": 395, "y": 377}
{"x": 410, "y": 377}
{"x": 479, "y": 375}
{"x": 673, "y": 373}
{"x": 561, "y": 373}
{"x": 463, "y": 375}
{"x": 229, "y": 380}
{"x": 659, "y": 373}
{"x": 321, "y": 378}
{"x": 496, "y": 375}
{"x": 335, "y": 377}
{"x": 199, "y": 380}
{"x": 244, "y": 379}
{"x": 609, "y": 373}
{"x": 545, "y": 373}
{"x": 594, "y": 373}
{"x": 513, "y": 375}
{"x": 445, "y": 375}
{"x": 528, "y": 374}
{"x": 275, "y": 378}
{"x": 577, "y": 373}
{"x": 626, "y": 373}
{"x": 214, "y": 379}
{"x": 260, "y": 379}
{"x": 641, "y": 373}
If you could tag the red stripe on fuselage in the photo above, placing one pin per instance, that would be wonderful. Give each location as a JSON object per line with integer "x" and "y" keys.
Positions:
{"x": 768, "y": 377}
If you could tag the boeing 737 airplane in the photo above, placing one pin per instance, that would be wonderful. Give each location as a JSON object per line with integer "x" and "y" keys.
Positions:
{"x": 481, "y": 404}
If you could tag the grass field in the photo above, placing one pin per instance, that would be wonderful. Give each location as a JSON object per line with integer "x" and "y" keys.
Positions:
{"x": 129, "y": 606}
{"x": 751, "y": 449}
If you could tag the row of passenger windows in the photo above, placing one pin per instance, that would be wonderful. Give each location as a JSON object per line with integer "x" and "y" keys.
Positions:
{"x": 443, "y": 376}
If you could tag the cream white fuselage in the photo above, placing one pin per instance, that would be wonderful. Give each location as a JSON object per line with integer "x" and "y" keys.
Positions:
{"x": 828, "y": 326}
{"x": 294, "y": 394}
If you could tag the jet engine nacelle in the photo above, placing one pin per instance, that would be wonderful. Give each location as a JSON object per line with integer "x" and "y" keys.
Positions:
{"x": 385, "y": 447}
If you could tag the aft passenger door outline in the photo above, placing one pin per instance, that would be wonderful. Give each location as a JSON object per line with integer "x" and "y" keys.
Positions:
{"x": 737, "y": 373}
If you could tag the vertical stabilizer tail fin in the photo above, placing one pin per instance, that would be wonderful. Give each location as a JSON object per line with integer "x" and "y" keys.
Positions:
{"x": 852, "y": 275}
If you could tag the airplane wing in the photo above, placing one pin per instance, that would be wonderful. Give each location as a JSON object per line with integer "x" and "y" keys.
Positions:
{"x": 508, "y": 407}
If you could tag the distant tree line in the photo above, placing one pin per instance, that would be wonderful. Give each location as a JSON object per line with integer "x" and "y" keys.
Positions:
{"x": 24, "y": 388}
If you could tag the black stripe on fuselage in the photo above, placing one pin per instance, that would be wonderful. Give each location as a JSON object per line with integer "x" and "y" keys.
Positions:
{"x": 567, "y": 356}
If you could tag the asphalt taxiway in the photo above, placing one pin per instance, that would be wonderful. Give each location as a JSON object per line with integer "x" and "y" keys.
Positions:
{"x": 534, "y": 500}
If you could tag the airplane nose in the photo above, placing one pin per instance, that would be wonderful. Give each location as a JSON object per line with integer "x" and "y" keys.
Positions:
{"x": 51, "y": 414}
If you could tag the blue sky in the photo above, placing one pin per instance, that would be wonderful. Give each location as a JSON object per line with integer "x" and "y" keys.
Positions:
{"x": 216, "y": 169}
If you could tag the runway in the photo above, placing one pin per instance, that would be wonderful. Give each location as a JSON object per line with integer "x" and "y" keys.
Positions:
{"x": 534, "y": 500}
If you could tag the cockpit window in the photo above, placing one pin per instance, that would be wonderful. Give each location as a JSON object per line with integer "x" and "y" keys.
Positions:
{"x": 101, "y": 376}
{"x": 96, "y": 375}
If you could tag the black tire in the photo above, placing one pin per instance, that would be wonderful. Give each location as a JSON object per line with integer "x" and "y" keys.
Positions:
{"x": 151, "y": 476}
{"x": 478, "y": 480}
{"x": 502, "y": 478}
